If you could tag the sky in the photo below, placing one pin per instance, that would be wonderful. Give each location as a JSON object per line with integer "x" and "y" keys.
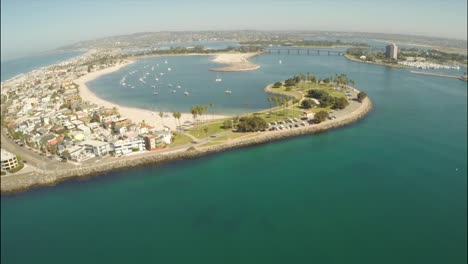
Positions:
{"x": 29, "y": 26}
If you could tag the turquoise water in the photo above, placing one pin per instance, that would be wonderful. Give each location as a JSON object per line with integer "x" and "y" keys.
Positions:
{"x": 11, "y": 68}
{"x": 391, "y": 188}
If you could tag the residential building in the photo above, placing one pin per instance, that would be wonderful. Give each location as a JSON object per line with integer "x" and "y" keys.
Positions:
{"x": 98, "y": 148}
{"x": 122, "y": 147}
{"x": 391, "y": 51}
{"x": 8, "y": 160}
{"x": 155, "y": 141}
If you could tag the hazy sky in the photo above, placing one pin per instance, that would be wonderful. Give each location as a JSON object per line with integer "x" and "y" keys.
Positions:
{"x": 36, "y": 25}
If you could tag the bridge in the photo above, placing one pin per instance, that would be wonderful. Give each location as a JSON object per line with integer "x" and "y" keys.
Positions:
{"x": 299, "y": 51}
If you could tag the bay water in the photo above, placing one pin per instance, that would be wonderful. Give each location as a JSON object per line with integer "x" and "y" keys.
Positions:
{"x": 391, "y": 188}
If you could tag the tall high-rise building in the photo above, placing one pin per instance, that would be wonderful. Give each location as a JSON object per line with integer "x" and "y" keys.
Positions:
{"x": 391, "y": 51}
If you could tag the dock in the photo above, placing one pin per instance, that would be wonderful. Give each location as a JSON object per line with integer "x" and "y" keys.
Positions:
{"x": 441, "y": 75}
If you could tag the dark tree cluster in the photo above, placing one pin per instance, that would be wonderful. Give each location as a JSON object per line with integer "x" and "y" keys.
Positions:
{"x": 307, "y": 103}
{"x": 251, "y": 124}
{"x": 320, "y": 116}
{"x": 277, "y": 85}
{"x": 326, "y": 99}
{"x": 361, "y": 96}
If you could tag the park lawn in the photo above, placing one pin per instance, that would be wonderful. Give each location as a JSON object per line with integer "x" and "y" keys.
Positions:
{"x": 335, "y": 93}
{"x": 213, "y": 128}
{"x": 180, "y": 139}
{"x": 328, "y": 87}
{"x": 232, "y": 135}
{"x": 279, "y": 116}
{"x": 291, "y": 93}
{"x": 223, "y": 139}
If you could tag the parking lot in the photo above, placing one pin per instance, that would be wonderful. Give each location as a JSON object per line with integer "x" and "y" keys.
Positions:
{"x": 289, "y": 123}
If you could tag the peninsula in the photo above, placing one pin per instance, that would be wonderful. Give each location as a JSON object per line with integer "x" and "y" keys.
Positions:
{"x": 92, "y": 136}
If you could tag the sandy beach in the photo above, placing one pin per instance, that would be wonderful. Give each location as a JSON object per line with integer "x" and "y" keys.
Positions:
{"x": 235, "y": 62}
{"x": 137, "y": 115}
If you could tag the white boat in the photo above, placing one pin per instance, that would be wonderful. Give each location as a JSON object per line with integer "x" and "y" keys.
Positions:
{"x": 165, "y": 61}
{"x": 228, "y": 91}
{"x": 218, "y": 79}
{"x": 178, "y": 86}
{"x": 133, "y": 87}
{"x": 173, "y": 91}
{"x": 280, "y": 62}
{"x": 147, "y": 73}
{"x": 152, "y": 68}
{"x": 157, "y": 79}
{"x": 186, "y": 93}
{"x": 161, "y": 73}
{"x": 170, "y": 85}
{"x": 154, "y": 90}
{"x": 169, "y": 69}
{"x": 157, "y": 65}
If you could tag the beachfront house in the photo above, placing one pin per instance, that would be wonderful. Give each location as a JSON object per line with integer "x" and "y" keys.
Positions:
{"x": 155, "y": 141}
{"x": 98, "y": 148}
{"x": 122, "y": 147}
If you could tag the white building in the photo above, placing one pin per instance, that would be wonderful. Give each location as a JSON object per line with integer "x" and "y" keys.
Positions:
{"x": 122, "y": 147}
{"x": 98, "y": 148}
{"x": 86, "y": 130}
{"x": 8, "y": 160}
{"x": 391, "y": 51}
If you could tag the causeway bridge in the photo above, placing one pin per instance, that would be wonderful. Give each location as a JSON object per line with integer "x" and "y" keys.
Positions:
{"x": 304, "y": 51}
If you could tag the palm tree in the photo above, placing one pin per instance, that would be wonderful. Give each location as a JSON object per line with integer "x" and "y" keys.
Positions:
{"x": 276, "y": 100}
{"x": 195, "y": 112}
{"x": 178, "y": 116}
{"x": 161, "y": 114}
{"x": 204, "y": 109}
{"x": 174, "y": 114}
{"x": 212, "y": 105}
{"x": 270, "y": 99}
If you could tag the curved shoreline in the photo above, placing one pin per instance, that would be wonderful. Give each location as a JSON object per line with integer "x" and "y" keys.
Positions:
{"x": 50, "y": 178}
{"x": 135, "y": 114}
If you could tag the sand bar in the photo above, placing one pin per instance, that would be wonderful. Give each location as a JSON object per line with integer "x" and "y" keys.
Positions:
{"x": 235, "y": 62}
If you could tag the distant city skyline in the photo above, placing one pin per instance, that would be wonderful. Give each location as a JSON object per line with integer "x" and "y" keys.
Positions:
{"x": 29, "y": 26}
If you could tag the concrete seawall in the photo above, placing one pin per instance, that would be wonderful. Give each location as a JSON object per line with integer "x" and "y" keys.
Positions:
{"x": 19, "y": 183}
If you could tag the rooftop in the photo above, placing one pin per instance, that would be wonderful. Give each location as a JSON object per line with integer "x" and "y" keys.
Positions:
{"x": 6, "y": 155}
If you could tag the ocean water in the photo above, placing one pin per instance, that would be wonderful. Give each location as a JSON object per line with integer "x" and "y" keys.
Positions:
{"x": 391, "y": 188}
{"x": 12, "y": 68}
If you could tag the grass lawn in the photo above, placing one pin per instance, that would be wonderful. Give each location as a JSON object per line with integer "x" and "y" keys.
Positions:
{"x": 292, "y": 93}
{"x": 223, "y": 139}
{"x": 280, "y": 116}
{"x": 180, "y": 139}
{"x": 213, "y": 128}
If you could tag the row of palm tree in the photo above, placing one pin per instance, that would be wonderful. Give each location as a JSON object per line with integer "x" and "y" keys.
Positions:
{"x": 339, "y": 79}
{"x": 279, "y": 101}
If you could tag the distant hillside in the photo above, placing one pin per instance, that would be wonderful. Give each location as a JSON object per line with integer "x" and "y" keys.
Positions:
{"x": 147, "y": 39}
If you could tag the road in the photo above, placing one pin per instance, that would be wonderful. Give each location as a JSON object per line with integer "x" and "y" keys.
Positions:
{"x": 31, "y": 157}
